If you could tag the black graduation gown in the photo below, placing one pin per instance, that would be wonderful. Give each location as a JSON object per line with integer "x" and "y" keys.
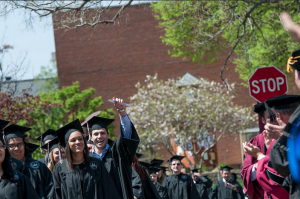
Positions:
{"x": 291, "y": 187}
{"x": 203, "y": 186}
{"x": 221, "y": 192}
{"x": 279, "y": 161}
{"x": 118, "y": 161}
{"x": 149, "y": 190}
{"x": 86, "y": 182}
{"x": 180, "y": 187}
{"x": 39, "y": 175}
{"x": 136, "y": 184}
{"x": 162, "y": 191}
{"x": 17, "y": 188}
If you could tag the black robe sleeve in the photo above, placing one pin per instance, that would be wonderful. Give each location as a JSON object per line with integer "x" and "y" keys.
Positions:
{"x": 215, "y": 191}
{"x": 136, "y": 184}
{"x": 58, "y": 189}
{"x": 278, "y": 154}
{"x": 162, "y": 191}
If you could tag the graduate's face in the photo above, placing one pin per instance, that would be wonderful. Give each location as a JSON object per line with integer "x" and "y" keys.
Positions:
{"x": 153, "y": 177}
{"x": 176, "y": 166}
{"x": 196, "y": 176}
{"x": 76, "y": 142}
{"x": 100, "y": 138}
{"x": 226, "y": 175}
{"x": 56, "y": 155}
{"x": 16, "y": 148}
{"x": 2, "y": 152}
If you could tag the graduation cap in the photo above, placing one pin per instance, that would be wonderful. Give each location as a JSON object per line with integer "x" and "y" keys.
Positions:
{"x": 163, "y": 168}
{"x": 226, "y": 168}
{"x": 195, "y": 170}
{"x": 259, "y": 108}
{"x": 281, "y": 102}
{"x": 145, "y": 164}
{"x": 31, "y": 148}
{"x": 96, "y": 123}
{"x": 47, "y": 135}
{"x": 64, "y": 132}
{"x": 176, "y": 157}
{"x": 53, "y": 144}
{"x": 14, "y": 131}
{"x": 3, "y": 124}
{"x": 294, "y": 62}
{"x": 139, "y": 155}
{"x": 156, "y": 162}
{"x": 153, "y": 170}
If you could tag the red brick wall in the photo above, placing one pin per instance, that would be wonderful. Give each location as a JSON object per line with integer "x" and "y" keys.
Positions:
{"x": 113, "y": 58}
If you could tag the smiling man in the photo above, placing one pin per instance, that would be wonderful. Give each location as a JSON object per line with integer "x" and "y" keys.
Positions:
{"x": 117, "y": 156}
{"x": 179, "y": 185}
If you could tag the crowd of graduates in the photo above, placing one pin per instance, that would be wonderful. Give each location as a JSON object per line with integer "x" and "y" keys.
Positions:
{"x": 80, "y": 166}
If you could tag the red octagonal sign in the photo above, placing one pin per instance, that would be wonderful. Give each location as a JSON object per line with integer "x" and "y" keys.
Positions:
{"x": 267, "y": 82}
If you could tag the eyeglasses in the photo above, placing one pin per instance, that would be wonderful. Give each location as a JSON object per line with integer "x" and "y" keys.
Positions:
{"x": 178, "y": 164}
{"x": 2, "y": 147}
{"x": 12, "y": 146}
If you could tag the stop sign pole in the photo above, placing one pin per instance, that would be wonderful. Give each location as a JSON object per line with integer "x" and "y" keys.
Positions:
{"x": 267, "y": 82}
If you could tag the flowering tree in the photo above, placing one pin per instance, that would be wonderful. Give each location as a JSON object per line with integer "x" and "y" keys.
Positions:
{"x": 163, "y": 111}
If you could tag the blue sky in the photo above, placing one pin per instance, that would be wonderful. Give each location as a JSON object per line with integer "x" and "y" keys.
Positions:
{"x": 34, "y": 43}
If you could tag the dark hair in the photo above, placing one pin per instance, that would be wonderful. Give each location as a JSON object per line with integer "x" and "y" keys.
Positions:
{"x": 136, "y": 165}
{"x": 161, "y": 179}
{"x": 6, "y": 164}
{"x": 69, "y": 157}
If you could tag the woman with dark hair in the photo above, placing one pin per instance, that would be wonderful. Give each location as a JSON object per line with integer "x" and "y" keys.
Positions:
{"x": 148, "y": 189}
{"x": 54, "y": 155}
{"x": 38, "y": 173}
{"x": 162, "y": 191}
{"x": 80, "y": 176}
{"x": 13, "y": 184}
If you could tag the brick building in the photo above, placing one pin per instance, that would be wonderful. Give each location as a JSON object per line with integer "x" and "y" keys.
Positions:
{"x": 113, "y": 58}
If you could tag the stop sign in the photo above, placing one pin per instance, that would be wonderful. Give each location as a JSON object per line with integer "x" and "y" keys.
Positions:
{"x": 267, "y": 82}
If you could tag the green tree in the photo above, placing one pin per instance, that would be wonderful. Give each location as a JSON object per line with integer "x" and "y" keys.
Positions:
{"x": 203, "y": 31}
{"x": 73, "y": 104}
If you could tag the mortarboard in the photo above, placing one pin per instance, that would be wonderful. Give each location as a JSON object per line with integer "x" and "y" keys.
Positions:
{"x": 96, "y": 123}
{"x": 176, "y": 157}
{"x": 259, "y": 108}
{"x": 153, "y": 170}
{"x": 31, "y": 148}
{"x": 156, "y": 162}
{"x": 163, "y": 168}
{"x": 3, "y": 124}
{"x": 64, "y": 132}
{"x": 293, "y": 62}
{"x": 15, "y": 131}
{"x": 53, "y": 144}
{"x": 145, "y": 164}
{"x": 47, "y": 135}
{"x": 195, "y": 171}
{"x": 281, "y": 102}
{"x": 139, "y": 155}
{"x": 226, "y": 168}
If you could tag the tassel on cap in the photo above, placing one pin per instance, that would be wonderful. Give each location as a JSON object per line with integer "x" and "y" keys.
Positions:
{"x": 88, "y": 130}
{"x": 41, "y": 144}
{"x": 270, "y": 112}
{"x": 291, "y": 61}
{"x": 4, "y": 137}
